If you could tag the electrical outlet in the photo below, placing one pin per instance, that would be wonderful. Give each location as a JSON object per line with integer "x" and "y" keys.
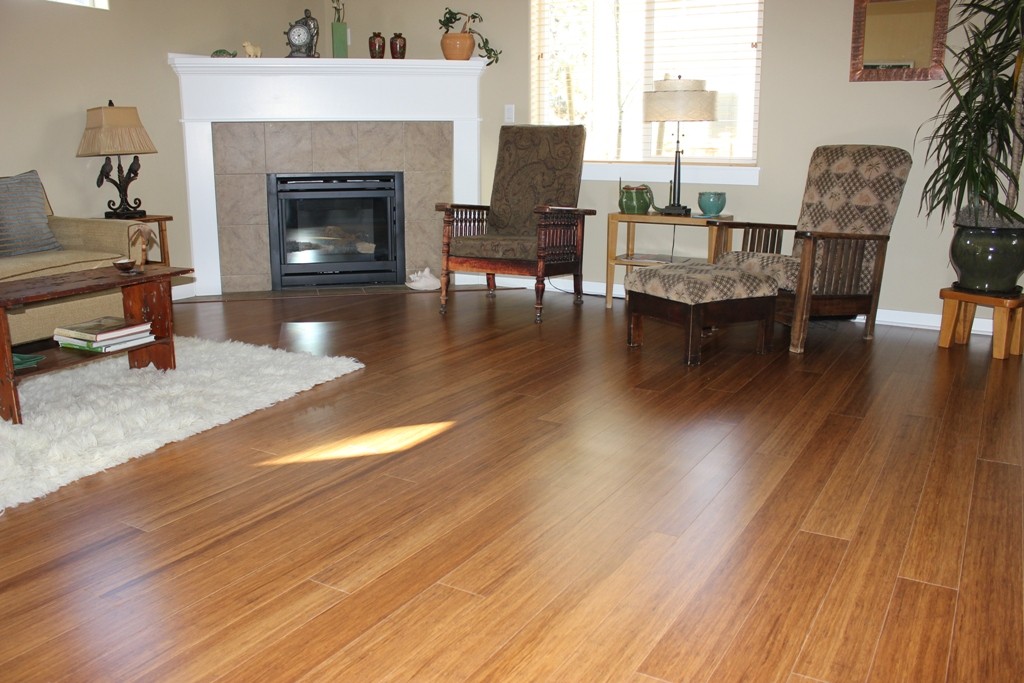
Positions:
{"x": 510, "y": 113}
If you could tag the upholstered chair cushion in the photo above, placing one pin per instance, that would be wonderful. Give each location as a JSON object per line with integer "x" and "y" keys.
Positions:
{"x": 24, "y": 228}
{"x": 535, "y": 165}
{"x": 849, "y": 189}
{"x": 784, "y": 269}
{"x": 854, "y": 188}
{"x": 698, "y": 283}
{"x": 520, "y": 247}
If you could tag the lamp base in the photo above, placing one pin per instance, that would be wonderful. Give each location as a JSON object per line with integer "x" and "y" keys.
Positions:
{"x": 125, "y": 215}
{"x": 675, "y": 210}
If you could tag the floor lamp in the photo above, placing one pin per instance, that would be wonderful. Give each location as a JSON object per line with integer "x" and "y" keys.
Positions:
{"x": 679, "y": 100}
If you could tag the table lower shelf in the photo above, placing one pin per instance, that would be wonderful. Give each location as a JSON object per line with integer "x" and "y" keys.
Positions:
{"x": 652, "y": 259}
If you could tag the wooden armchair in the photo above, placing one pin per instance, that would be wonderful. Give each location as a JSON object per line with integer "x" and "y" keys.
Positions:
{"x": 835, "y": 269}
{"x": 532, "y": 225}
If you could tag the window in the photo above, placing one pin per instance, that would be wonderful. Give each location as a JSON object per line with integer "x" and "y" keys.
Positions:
{"x": 98, "y": 4}
{"x": 594, "y": 59}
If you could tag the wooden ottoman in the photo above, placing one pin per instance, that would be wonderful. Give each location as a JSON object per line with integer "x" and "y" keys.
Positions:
{"x": 697, "y": 295}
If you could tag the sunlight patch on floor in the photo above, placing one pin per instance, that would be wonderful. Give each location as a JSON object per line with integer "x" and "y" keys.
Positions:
{"x": 378, "y": 442}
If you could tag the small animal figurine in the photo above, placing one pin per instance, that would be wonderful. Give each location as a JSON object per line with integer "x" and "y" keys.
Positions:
{"x": 144, "y": 235}
{"x": 223, "y": 53}
{"x": 252, "y": 50}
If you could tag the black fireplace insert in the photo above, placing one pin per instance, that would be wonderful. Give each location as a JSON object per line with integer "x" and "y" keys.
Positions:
{"x": 336, "y": 228}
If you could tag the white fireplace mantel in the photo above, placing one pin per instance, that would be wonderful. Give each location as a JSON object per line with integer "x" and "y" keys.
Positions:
{"x": 282, "y": 89}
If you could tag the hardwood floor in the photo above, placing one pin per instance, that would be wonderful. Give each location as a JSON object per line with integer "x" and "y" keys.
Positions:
{"x": 491, "y": 499}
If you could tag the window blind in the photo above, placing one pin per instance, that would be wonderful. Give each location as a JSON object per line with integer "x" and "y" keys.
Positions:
{"x": 593, "y": 60}
{"x": 98, "y": 4}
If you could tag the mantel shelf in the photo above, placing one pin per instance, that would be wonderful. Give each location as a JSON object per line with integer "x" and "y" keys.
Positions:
{"x": 324, "y": 66}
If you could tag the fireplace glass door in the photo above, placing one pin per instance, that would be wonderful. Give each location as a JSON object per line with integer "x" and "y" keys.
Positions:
{"x": 336, "y": 229}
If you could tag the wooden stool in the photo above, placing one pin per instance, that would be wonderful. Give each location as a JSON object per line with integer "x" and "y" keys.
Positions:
{"x": 697, "y": 296}
{"x": 958, "y": 317}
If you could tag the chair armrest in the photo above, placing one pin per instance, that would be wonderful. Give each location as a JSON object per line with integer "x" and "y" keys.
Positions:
{"x": 543, "y": 208}
{"x": 447, "y": 206}
{"x": 862, "y": 236}
{"x": 92, "y": 234}
{"x": 764, "y": 238}
{"x": 462, "y": 220}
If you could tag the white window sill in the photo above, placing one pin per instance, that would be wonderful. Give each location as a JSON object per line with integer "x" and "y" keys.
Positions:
{"x": 662, "y": 173}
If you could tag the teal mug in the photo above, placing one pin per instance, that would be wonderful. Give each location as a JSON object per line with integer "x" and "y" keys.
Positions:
{"x": 711, "y": 203}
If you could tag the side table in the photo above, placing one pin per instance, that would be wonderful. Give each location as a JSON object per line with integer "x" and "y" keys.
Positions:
{"x": 958, "y": 317}
{"x": 146, "y": 297}
{"x": 631, "y": 259}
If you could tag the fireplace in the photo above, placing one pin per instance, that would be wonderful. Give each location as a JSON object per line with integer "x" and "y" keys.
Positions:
{"x": 339, "y": 124}
{"x": 336, "y": 228}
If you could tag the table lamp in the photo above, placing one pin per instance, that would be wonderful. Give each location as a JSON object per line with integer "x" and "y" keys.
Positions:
{"x": 679, "y": 100}
{"x": 111, "y": 131}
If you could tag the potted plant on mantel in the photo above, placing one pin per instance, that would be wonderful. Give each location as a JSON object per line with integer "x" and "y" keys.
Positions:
{"x": 978, "y": 145}
{"x": 460, "y": 44}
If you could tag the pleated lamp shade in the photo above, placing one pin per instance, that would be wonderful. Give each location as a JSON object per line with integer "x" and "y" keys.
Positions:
{"x": 114, "y": 130}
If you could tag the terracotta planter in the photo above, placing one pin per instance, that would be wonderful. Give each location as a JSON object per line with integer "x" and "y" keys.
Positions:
{"x": 458, "y": 45}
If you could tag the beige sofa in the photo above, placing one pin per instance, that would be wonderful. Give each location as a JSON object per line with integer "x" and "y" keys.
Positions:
{"x": 85, "y": 243}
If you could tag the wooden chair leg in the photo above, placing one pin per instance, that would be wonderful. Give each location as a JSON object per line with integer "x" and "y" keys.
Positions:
{"x": 538, "y": 287}
{"x": 490, "y": 285}
{"x": 445, "y": 278}
{"x": 798, "y": 333}
{"x": 577, "y": 287}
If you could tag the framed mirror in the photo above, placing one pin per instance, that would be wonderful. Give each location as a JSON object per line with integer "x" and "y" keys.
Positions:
{"x": 898, "y": 40}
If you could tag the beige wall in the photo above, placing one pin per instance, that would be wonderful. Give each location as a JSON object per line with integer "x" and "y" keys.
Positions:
{"x": 91, "y": 56}
{"x": 58, "y": 60}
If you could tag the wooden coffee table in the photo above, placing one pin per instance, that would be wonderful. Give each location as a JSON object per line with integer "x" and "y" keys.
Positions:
{"x": 146, "y": 297}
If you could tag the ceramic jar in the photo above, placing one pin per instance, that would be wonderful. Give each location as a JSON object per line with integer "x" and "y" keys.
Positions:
{"x": 711, "y": 203}
{"x": 398, "y": 46}
{"x": 376, "y": 46}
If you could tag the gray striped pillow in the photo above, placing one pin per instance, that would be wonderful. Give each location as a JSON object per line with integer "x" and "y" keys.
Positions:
{"x": 23, "y": 225}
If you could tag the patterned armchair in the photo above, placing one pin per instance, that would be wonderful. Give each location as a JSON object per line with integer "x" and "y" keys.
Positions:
{"x": 835, "y": 269}
{"x": 532, "y": 225}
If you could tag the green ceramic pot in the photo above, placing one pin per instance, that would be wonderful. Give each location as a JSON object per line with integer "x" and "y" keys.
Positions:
{"x": 988, "y": 260}
{"x": 635, "y": 200}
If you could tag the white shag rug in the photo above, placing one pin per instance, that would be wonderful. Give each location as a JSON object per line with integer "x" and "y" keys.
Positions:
{"x": 90, "y": 417}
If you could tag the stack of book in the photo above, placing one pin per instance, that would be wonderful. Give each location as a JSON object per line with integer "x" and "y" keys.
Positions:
{"x": 103, "y": 335}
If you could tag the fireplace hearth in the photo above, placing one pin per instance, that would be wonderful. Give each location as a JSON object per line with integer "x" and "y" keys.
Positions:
{"x": 336, "y": 229}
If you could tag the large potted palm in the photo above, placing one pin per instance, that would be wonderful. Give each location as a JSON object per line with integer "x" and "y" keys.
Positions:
{"x": 977, "y": 145}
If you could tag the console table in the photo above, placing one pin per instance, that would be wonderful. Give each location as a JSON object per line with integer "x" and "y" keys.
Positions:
{"x": 631, "y": 259}
{"x": 146, "y": 297}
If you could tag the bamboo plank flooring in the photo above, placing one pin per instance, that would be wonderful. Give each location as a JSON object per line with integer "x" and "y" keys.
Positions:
{"x": 554, "y": 506}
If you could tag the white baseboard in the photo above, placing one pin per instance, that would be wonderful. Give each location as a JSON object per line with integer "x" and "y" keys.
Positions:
{"x": 185, "y": 291}
{"x": 924, "y": 321}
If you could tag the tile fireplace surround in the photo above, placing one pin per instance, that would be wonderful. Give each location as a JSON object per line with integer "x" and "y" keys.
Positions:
{"x": 244, "y": 118}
